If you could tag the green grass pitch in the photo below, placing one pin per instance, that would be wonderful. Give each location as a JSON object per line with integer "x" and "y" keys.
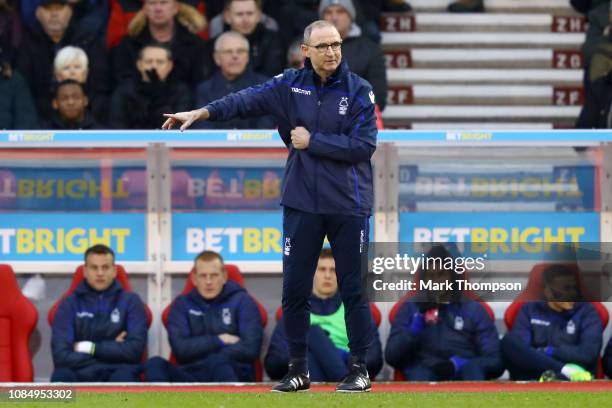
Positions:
{"x": 310, "y": 400}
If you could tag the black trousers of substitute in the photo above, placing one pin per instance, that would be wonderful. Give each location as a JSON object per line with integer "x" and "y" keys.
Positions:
{"x": 303, "y": 239}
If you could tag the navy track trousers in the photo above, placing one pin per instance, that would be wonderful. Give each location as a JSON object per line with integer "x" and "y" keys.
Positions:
{"x": 303, "y": 235}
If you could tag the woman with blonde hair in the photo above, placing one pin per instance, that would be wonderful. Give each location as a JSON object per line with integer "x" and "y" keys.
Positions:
{"x": 72, "y": 63}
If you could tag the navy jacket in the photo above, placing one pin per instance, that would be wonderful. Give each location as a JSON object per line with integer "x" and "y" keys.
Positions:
{"x": 89, "y": 315}
{"x": 575, "y": 337}
{"x": 334, "y": 174}
{"x": 277, "y": 356}
{"x": 195, "y": 323}
{"x": 464, "y": 330}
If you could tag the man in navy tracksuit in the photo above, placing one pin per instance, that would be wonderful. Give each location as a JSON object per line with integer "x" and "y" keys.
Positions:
{"x": 558, "y": 334}
{"x": 215, "y": 330}
{"x": 327, "y": 338}
{"x": 442, "y": 335}
{"x": 100, "y": 330}
{"x": 326, "y": 118}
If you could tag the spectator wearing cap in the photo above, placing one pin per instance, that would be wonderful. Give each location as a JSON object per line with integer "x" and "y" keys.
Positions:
{"x": 70, "y": 106}
{"x": 55, "y": 28}
{"x": 90, "y": 16}
{"x": 266, "y": 50}
{"x": 139, "y": 103}
{"x": 364, "y": 56}
{"x": 160, "y": 25}
{"x": 234, "y": 74}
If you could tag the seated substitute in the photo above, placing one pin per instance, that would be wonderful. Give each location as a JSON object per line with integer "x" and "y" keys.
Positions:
{"x": 328, "y": 350}
{"x": 99, "y": 331}
{"x": 559, "y": 335}
{"x": 214, "y": 331}
{"x": 442, "y": 335}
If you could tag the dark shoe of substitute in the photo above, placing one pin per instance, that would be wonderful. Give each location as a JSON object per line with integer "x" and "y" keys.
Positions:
{"x": 357, "y": 379}
{"x": 466, "y": 6}
{"x": 294, "y": 381}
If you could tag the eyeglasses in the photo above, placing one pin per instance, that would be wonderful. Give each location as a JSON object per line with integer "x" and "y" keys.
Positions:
{"x": 323, "y": 47}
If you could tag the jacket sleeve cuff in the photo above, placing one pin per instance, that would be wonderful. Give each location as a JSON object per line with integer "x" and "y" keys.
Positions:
{"x": 212, "y": 113}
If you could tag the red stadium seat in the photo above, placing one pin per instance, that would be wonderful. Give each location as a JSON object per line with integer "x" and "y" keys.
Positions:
{"x": 122, "y": 278}
{"x": 534, "y": 291}
{"x": 18, "y": 318}
{"x": 233, "y": 274}
{"x": 374, "y": 310}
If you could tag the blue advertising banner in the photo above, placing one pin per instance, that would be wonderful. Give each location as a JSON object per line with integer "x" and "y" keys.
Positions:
{"x": 244, "y": 236}
{"x": 502, "y": 233}
{"x": 89, "y": 188}
{"x": 241, "y": 236}
{"x": 557, "y": 188}
{"x": 226, "y": 188}
{"x": 65, "y": 237}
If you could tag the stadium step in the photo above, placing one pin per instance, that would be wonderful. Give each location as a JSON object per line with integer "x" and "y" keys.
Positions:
{"x": 515, "y": 6}
{"x": 402, "y": 115}
{"x": 481, "y": 126}
{"x": 482, "y": 22}
{"x": 569, "y": 77}
{"x": 392, "y": 41}
{"x": 484, "y": 95}
{"x": 483, "y": 58}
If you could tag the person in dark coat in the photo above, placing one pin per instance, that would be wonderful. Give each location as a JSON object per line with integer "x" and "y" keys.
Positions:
{"x": 70, "y": 108}
{"x": 364, "y": 56}
{"x": 54, "y": 30}
{"x": 328, "y": 350}
{"x": 266, "y": 50}
{"x": 232, "y": 58}
{"x": 560, "y": 334}
{"x": 215, "y": 330}
{"x": 443, "y": 335}
{"x": 100, "y": 330}
{"x": 17, "y": 109}
{"x": 189, "y": 52}
{"x": 139, "y": 103}
{"x": 596, "y": 113}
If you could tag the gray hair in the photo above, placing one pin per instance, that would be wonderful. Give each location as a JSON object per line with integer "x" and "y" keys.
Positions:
{"x": 68, "y": 54}
{"x": 317, "y": 24}
{"x": 231, "y": 34}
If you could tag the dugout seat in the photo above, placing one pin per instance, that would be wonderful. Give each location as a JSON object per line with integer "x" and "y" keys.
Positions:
{"x": 78, "y": 276}
{"x": 533, "y": 292}
{"x": 233, "y": 274}
{"x": 18, "y": 318}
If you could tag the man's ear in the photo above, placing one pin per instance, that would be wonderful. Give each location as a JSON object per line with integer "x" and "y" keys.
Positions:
{"x": 304, "y": 49}
{"x": 86, "y": 100}
{"x": 54, "y": 104}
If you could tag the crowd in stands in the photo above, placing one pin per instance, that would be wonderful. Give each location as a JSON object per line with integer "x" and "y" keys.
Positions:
{"x": 157, "y": 56}
{"x": 215, "y": 329}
